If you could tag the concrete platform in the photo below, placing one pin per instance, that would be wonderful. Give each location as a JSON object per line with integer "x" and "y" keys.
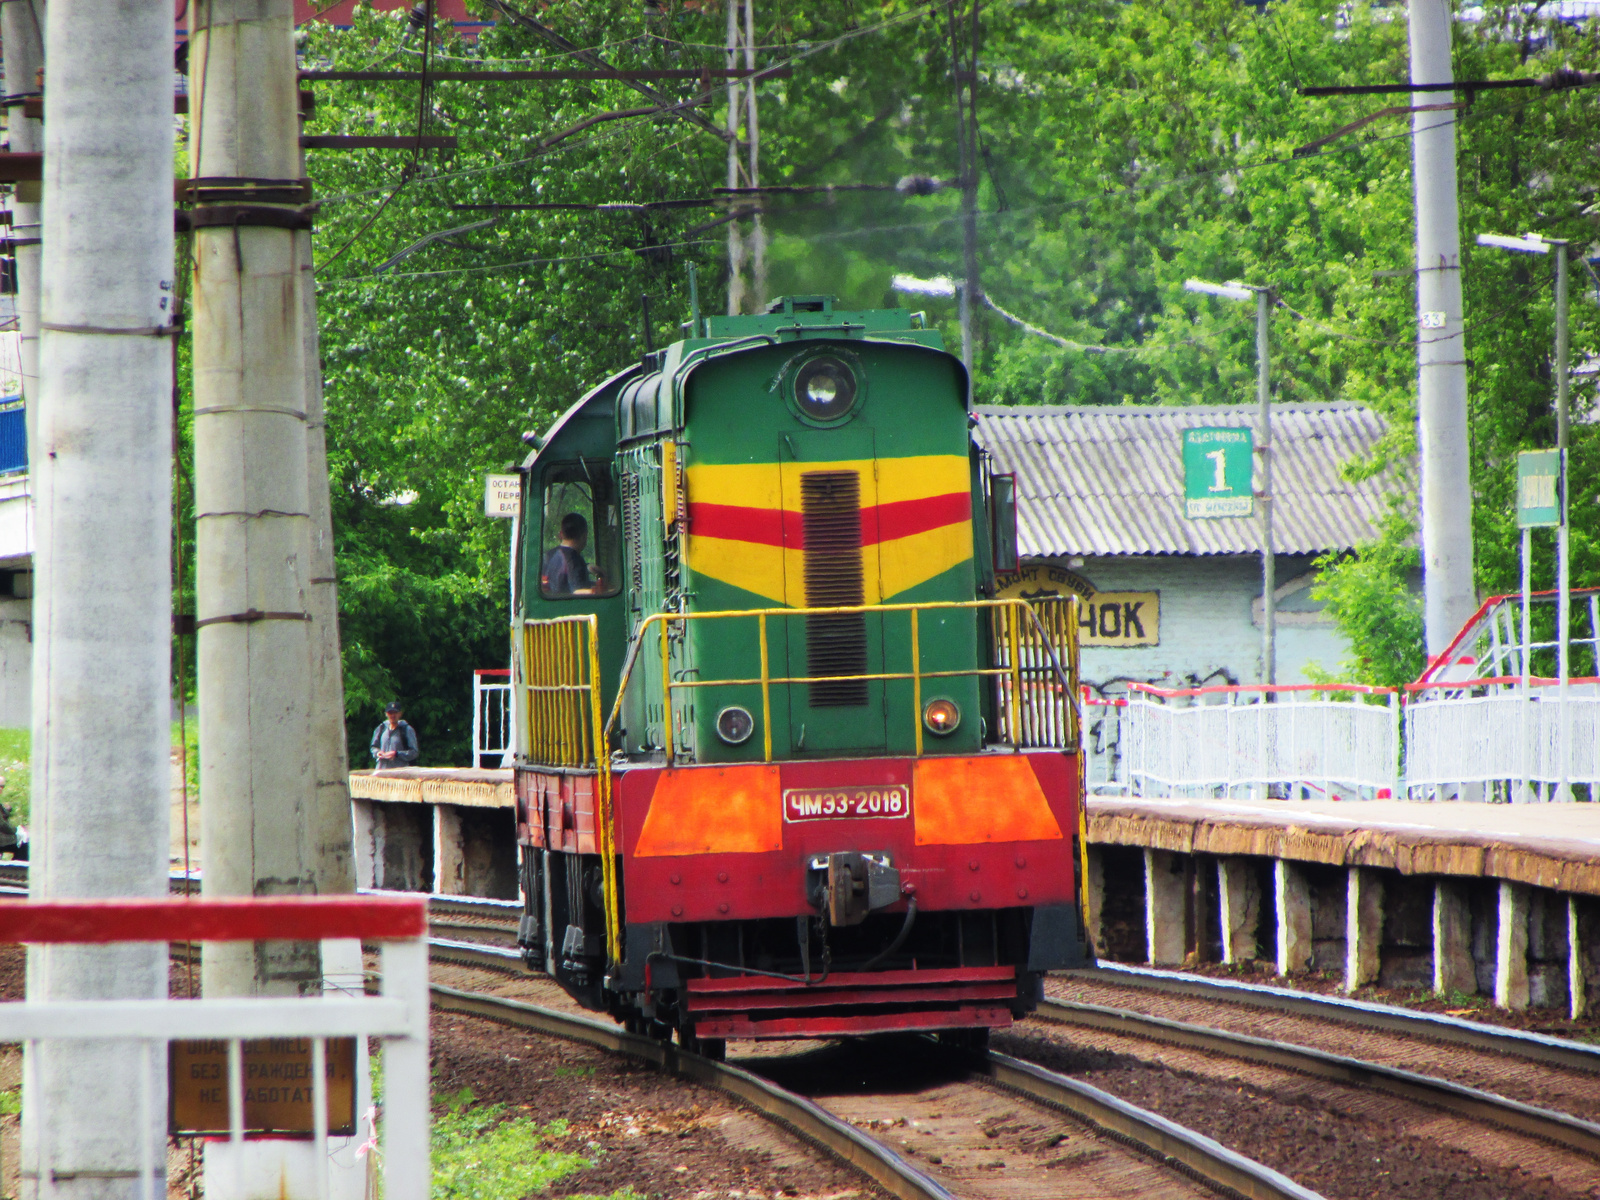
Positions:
{"x": 449, "y": 830}
{"x": 1553, "y": 846}
{"x": 436, "y": 785}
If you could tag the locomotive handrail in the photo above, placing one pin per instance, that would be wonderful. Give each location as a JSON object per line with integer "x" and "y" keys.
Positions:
{"x": 581, "y": 665}
{"x": 564, "y": 668}
{"x": 916, "y": 675}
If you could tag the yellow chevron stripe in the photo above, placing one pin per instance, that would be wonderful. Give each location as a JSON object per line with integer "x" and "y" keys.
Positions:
{"x": 764, "y": 485}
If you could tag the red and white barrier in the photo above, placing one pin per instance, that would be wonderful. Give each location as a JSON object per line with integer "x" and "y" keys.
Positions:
{"x": 398, "y": 1015}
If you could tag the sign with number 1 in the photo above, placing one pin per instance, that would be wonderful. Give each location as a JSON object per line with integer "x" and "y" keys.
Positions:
{"x": 1218, "y": 466}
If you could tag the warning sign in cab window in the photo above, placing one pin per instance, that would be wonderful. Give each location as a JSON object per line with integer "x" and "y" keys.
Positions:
{"x": 277, "y": 1086}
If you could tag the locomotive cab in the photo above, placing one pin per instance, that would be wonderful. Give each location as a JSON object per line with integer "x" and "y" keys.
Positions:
{"x": 785, "y": 766}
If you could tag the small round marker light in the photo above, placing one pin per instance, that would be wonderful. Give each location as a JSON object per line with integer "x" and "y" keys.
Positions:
{"x": 941, "y": 716}
{"x": 735, "y": 725}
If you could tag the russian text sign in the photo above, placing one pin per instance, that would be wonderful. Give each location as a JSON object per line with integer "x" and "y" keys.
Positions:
{"x": 1108, "y": 618}
{"x": 277, "y": 1086}
{"x": 502, "y": 495}
{"x": 1538, "y": 488}
{"x": 1218, "y": 468}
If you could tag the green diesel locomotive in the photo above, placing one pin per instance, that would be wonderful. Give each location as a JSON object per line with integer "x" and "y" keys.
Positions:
{"x": 784, "y": 765}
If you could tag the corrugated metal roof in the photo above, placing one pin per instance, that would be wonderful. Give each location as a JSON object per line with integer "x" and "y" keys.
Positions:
{"x": 1108, "y": 479}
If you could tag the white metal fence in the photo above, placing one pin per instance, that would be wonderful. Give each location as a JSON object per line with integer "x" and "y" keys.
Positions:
{"x": 1297, "y": 741}
{"x": 491, "y": 717}
{"x": 1516, "y": 745}
{"x": 399, "y": 1015}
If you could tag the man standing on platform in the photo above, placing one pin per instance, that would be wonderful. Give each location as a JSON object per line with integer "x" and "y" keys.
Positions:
{"x": 394, "y": 743}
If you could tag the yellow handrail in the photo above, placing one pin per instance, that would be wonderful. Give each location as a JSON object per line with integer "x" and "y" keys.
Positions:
{"x": 559, "y": 671}
{"x": 1011, "y": 608}
{"x": 560, "y": 677}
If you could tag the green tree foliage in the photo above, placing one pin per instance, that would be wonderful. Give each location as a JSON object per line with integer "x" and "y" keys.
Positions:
{"x": 436, "y": 363}
{"x": 1123, "y": 148}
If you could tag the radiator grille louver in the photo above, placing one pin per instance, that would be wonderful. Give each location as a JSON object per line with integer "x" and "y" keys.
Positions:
{"x": 830, "y": 503}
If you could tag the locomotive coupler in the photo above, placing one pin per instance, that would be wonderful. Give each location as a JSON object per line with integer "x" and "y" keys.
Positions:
{"x": 848, "y": 885}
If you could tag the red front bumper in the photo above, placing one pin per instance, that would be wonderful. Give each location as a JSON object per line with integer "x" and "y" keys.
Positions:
{"x": 753, "y": 1006}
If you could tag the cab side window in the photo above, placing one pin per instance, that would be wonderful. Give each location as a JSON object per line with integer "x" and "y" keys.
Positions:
{"x": 579, "y": 532}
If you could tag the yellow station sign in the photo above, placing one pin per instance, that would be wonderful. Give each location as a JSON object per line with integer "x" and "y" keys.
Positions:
{"x": 1107, "y": 618}
{"x": 277, "y": 1086}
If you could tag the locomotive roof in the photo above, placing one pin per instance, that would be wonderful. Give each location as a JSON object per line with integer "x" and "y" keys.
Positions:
{"x": 1108, "y": 479}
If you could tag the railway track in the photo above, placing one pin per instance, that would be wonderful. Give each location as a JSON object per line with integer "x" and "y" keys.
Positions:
{"x": 1544, "y": 1123}
{"x": 1362, "y": 1014}
{"x": 1146, "y": 1134}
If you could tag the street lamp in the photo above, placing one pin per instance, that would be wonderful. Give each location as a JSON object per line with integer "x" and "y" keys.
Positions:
{"x": 1535, "y": 243}
{"x": 1265, "y": 298}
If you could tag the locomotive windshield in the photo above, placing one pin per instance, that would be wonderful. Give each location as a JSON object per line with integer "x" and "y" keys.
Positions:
{"x": 580, "y": 540}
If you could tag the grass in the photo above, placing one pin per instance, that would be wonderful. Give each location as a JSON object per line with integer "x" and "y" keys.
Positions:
{"x": 14, "y": 768}
{"x": 481, "y": 1153}
{"x": 11, "y": 1102}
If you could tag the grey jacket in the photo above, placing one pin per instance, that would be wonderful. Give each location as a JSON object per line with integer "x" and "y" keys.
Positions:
{"x": 401, "y": 738}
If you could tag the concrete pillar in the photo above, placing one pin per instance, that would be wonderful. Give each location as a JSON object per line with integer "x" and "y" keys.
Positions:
{"x": 1292, "y": 900}
{"x": 1577, "y": 983}
{"x": 1363, "y": 917}
{"x": 1164, "y": 896}
{"x": 368, "y": 853}
{"x": 1094, "y": 898}
{"x": 1240, "y": 908}
{"x": 253, "y": 546}
{"x": 449, "y": 852}
{"x": 1511, "y": 947}
{"x": 1452, "y": 940}
{"x": 94, "y": 1111}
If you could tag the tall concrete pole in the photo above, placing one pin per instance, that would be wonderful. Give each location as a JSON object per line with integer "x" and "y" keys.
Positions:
{"x": 1269, "y": 564}
{"x": 22, "y": 35}
{"x": 758, "y": 234}
{"x": 1449, "y": 595}
{"x": 735, "y": 94}
{"x": 94, "y": 1113}
{"x": 967, "y": 155}
{"x": 253, "y": 557}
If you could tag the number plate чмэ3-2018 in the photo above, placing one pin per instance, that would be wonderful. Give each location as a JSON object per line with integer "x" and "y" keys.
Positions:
{"x": 817, "y": 804}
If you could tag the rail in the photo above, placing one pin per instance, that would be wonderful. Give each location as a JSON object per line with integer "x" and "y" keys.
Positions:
{"x": 1155, "y": 1135}
{"x": 1265, "y": 738}
{"x": 1363, "y": 1014}
{"x": 399, "y": 1015}
{"x": 1515, "y": 739}
{"x": 839, "y": 1138}
{"x": 1034, "y": 690}
{"x": 1547, "y": 1124}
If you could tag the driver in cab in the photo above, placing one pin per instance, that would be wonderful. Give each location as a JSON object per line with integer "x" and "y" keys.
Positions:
{"x": 565, "y": 573}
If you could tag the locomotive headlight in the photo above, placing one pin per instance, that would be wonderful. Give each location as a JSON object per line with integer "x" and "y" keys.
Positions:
{"x": 941, "y": 716}
{"x": 825, "y": 388}
{"x": 735, "y": 725}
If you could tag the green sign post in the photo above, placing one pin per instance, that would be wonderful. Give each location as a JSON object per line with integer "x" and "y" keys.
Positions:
{"x": 1218, "y": 468}
{"x": 1539, "y": 489}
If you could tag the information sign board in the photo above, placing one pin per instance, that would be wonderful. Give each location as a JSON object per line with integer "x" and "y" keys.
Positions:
{"x": 277, "y": 1086}
{"x": 1108, "y": 618}
{"x": 1218, "y": 469}
{"x": 1538, "y": 488}
{"x": 502, "y": 495}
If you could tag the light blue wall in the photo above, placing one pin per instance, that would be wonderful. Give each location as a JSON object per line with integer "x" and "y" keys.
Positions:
{"x": 1207, "y": 630}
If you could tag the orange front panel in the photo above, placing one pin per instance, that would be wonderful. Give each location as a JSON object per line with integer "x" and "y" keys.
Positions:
{"x": 713, "y": 810}
{"x": 996, "y": 798}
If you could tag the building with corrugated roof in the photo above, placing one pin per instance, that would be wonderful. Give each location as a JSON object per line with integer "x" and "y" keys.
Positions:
{"x": 1170, "y": 599}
